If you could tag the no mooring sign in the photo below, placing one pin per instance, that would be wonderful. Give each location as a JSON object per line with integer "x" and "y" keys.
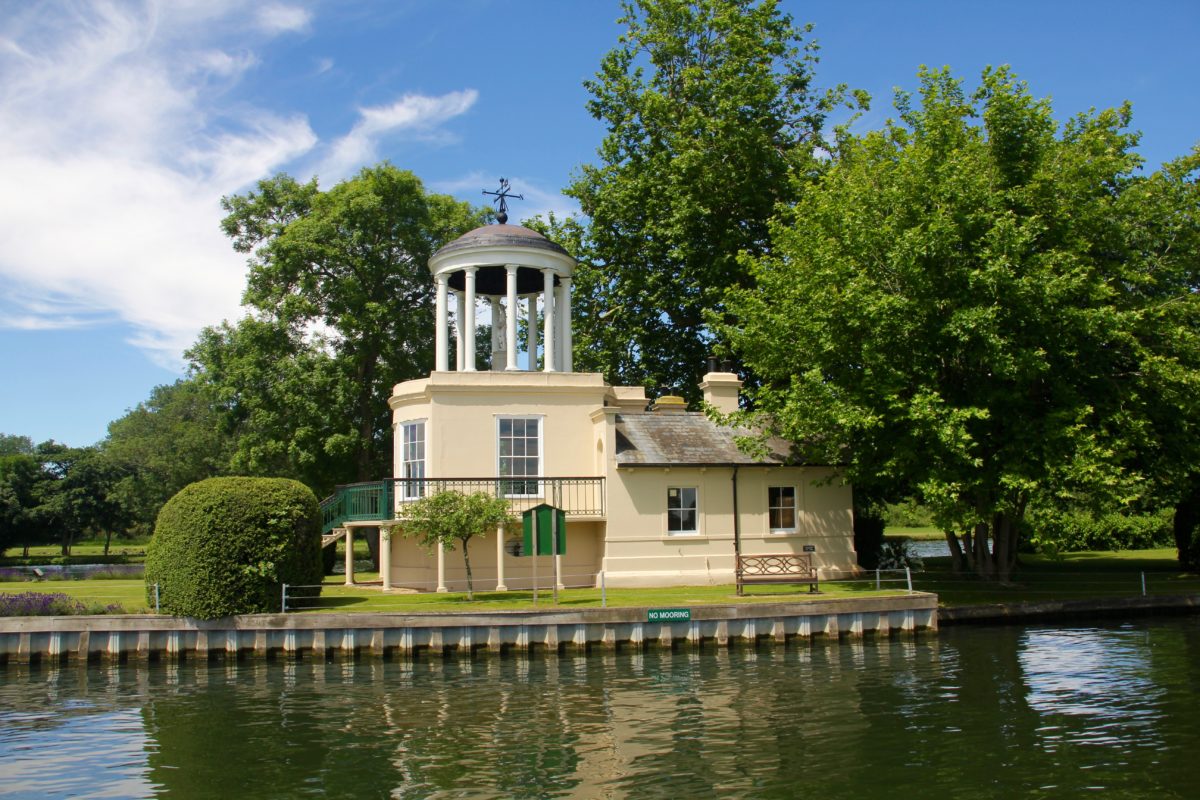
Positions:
{"x": 669, "y": 615}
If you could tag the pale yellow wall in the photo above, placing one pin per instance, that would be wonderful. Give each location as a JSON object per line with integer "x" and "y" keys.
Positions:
{"x": 638, "y": 543}
{"x": 578, "y": 438}
{"x": 461, "y": 411}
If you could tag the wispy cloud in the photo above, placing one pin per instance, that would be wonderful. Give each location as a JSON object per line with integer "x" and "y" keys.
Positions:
{"x": 280, "y": 18}
{"x": 118, "y": 138}
{"x": 412, "y": 114}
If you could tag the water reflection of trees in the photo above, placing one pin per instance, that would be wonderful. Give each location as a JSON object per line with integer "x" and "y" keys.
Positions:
{"x": 1003, "y": 711}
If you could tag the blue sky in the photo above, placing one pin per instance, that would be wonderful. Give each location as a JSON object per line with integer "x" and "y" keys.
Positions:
{"x": 123, "y": 124}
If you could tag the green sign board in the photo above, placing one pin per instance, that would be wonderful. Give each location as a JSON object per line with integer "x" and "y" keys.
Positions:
{"x": 547, "y": 520}
{"x": 669, "y": 615}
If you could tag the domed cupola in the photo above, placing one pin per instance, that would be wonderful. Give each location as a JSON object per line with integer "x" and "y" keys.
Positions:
{"x": 511, "y": 266}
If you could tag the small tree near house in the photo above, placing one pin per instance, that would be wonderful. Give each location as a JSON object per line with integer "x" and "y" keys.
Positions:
{"x": 442, "y": 518}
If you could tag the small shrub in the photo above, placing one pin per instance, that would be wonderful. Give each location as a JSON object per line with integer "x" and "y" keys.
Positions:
{"x": 897, "y": 554}
{"x": 907, "y": 514}
{"x": 225, "y": 546}
{"x": 40, "y": 604}
{"x": 1070, "y": 531}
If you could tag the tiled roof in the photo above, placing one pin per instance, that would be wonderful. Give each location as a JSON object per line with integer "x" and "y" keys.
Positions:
{"x": 685, "y": 439}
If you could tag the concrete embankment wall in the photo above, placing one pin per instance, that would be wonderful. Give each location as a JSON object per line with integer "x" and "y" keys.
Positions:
{"x": 33, "y": 639}
{"x": 1069, "y": 610}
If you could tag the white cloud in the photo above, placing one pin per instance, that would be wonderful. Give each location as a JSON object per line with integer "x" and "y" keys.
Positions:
{"x": 278, "y": 18}
{"x": 114, "y": 166}
{"x": 120, "y": 133}
{"x": 412, "y": 113}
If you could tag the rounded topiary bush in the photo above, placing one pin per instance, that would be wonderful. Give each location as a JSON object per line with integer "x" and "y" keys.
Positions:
{"x": 226, "y": 545}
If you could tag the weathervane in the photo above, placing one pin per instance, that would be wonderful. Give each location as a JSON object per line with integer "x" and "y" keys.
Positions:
{"x": 502, "y": 197}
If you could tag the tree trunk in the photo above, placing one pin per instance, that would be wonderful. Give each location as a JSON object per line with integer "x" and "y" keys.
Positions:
{"x": 957, "y": 560}
{"x": 107, "y": 541}
{"x": 1187, "y": 517}
{"x": 984, "y": 566}
{"x": 467, "y": 564}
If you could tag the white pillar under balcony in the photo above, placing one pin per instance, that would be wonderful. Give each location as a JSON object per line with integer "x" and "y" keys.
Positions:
{"x": 565, "y": 317}
{"x": 441, "y": 568}
{"x": 348, "y": 540}
{"x": 469, "y": 322}
{"x": 510, "y": 337}
{"x": 531, "y": 331}
{"x": 441, "y": 361}
{"x": 386, "y": 535}
{"x": 548, "y": 315}
{"x": 500, "y": 585}
{"x": 458, "y": 330}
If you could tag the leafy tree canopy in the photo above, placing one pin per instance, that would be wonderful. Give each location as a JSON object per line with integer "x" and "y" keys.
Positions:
{"x": 712, "y": 120}
{"x": 341, "y": 311}
{"x": 985, "y": 304}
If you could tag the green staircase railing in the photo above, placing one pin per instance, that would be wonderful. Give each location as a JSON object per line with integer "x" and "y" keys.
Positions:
{"x": 357, "y": 502}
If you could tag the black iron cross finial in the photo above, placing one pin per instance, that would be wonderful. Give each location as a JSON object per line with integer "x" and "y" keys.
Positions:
{"x": 502, "y": 198}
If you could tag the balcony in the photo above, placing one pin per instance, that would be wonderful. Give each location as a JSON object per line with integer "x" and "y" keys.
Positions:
{"x": 379, "y": 501}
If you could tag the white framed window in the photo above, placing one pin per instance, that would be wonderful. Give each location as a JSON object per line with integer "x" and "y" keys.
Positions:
{"x": 781, "y": 508}
{"x": 519, "y": 455}
{"x": 412, "y": 459}
{"x": 682, "y": 516}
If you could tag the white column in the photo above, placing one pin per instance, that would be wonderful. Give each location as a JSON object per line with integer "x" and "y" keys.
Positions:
{"x": 531, "y": 331}
{"x": 441, "y": 568}
{"x": 550, "y": 365}
{"x": 348, "y": 540}
{"x": 385, "y": 555}
{"x": 458, "y": 330}
{"x": 441, "y": 361}
{"x": 497, "y": 339}
{"x": 500, "y": 585}
{"x": 510, "y": 334}
{"x": 469, "y": 322}
{"x": 565, "y": 325}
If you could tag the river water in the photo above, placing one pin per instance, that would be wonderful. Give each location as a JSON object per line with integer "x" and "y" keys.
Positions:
{"x": 1003, "y": 712}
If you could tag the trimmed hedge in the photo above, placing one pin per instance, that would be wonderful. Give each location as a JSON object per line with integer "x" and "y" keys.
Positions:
{"x": 1070, "y": 531}
{"x": 225, "y": 546}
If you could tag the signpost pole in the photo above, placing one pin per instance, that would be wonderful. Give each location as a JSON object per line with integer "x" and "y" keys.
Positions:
{"x": 534, "y": 523}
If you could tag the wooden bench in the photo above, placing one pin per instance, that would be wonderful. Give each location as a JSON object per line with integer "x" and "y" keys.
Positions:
{"x": 777, "y": 568}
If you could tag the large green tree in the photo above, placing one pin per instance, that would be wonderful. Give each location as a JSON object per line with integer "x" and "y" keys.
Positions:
{"x": 173, "y": 438}
{"x": 985, "y": 305}
{"x": 341, "y": 304}
{"x": 712, "y": 119}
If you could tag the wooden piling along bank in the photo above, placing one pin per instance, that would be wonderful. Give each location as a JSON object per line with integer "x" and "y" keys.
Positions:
{"x": 32, "y": 639}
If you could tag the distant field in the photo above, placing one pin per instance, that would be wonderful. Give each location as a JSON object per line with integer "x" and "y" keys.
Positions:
{"x": 926, "y": 533}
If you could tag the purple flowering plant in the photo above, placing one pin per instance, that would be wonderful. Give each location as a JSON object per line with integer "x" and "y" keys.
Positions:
{"x": 40, "y": 604}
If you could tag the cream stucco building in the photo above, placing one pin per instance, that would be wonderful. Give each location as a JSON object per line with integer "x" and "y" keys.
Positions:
{"x": 654, "y": 494}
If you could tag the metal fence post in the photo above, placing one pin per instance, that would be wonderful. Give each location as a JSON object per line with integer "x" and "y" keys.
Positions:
{"x": 283, "y": 604}
{"x": 908, "y": 577}
{"x": 877, "y": 579}
{"x": 1143, "y": 584}
{"x": 156, "y": 607}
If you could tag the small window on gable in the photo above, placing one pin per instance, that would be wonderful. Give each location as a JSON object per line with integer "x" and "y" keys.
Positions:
{"x": 781, "y": 508}
{"x": 681, "y": 510}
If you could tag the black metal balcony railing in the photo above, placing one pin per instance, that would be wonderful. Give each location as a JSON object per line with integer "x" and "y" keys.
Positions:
{"x": 380, "y": 500}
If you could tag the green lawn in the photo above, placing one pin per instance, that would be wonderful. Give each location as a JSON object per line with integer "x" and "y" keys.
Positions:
{"x": 1071, "y": 576}
{"x": 924, "y": 534}
{"x": 1076, "y": 575}
{"x": 133, "y": 550}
